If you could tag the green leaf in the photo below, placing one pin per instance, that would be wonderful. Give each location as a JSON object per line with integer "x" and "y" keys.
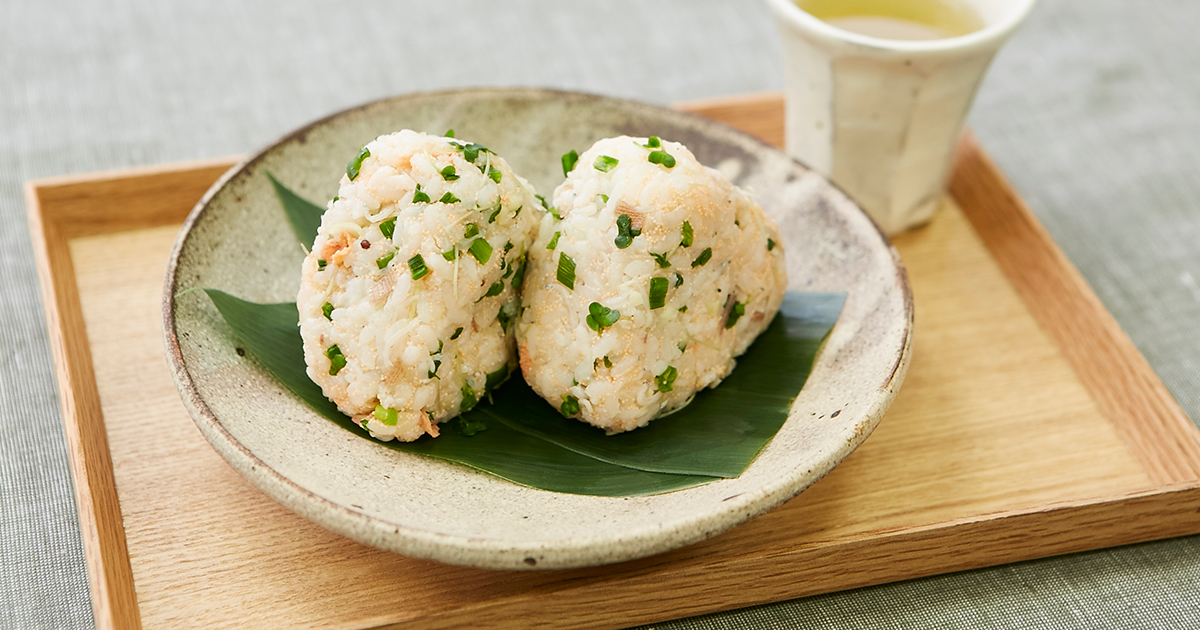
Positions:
{"x": 388, "y": 228}
{"x": 481, "y": 250}
{"x": 658, "y": 293}
{"x": 416, "y": 266}
{"x": 601, "y": 317}
{"x": 528, "y": 442}
{"x": 605, "y": 163}
{"x": 566, "y": 271}
{"x": 661, "y": 259}
{"x": 663, "y": 158}
{"x": 735, "y": 314}
{"x": 625, "y": 232}
{"x": 304, "y": 215}
{"x": 420, "y": 196}
{"x": 568, "y": 163}
{"x": 449, "y": 174}
{"x": 688, "y": 235}
{"x": 355, "y": 164}
{"x": 666, "y": 380}
{"x": 449, "y": 198}
{"x": 723, "y": 428}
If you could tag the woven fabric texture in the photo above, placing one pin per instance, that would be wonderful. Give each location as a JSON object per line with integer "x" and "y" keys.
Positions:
{"x": 1091, "y": 110}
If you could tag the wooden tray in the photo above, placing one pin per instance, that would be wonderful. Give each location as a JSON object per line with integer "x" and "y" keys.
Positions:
{"x": 1029, "y": 425}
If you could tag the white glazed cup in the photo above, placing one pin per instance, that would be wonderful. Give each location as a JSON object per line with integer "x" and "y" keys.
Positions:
{"x": 880, "y": 117}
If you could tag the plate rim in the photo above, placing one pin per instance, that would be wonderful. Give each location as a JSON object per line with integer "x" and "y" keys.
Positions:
{"x": 495, "y": 553}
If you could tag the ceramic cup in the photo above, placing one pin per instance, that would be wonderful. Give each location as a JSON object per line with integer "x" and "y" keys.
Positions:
{"x": 880, "y": 117}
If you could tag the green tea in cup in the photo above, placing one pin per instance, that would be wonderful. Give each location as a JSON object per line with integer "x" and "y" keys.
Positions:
{"x": 897, "y": 19}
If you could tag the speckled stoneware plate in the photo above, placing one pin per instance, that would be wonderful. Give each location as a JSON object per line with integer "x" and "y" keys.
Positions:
{"x": 238, "y": 239}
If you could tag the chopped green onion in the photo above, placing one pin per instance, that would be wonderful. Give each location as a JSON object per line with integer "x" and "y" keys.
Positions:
{"x": 457, "y": 332}
{"x": 496, "y": 288}
{"x": 496, "y": 213}
{"x": 449, "y": 133}
{"x": 327, "y": 311}
{"x": 356, "y": 164}
{"x": 336, "y": 360}
{"x": 568, "y": 162}
{"x": 481, "y": 250}
{"x": 703, "y": 257}
{"x": 566, "y": 271}
{"x": 472, "y": 151}
{"x": 678, "y": 278}
{"x": 504, "y": 318}
{"x": 653, "y": 143}
{"x": 450, "y": 254}
{"x": 437, "y": 363}
{"x": 469, "y": 398}
{"x": 735, "y": 314}
{"x": 470, "y": 230}
{"x": 495, "y": 379}
{"x": 543, "y": 201}
{"x": 419, "y": 196}
{"x": 519, "y": 276}
{"x": 569, "y": 407}
{"x": 607, "y": 363}
{"x": 625, "y": 232}
{"x": 682, "y": 346}
{"x": 517, "y": 212}
{"x": 603, "y": 198}
{"x": 658, "y": 293}
{"x": 321, "y": 264}
{"x": 553, "y": 241}
{"x": 686, "y": 241}
{"x": 683, "y": 309}
{"x": 494, "y": 174}
{"x": 383, "y": 262}
{"x": 601, "y": 317}
{"x": 416, "y": 265}
{"x": 666, "y": 380}
{"x": 605, "y": 163}
{"x": 441, "y": 344}
{"x": 388, "y": 228}
{"x": 770, "y": 244}
{"x": 387, "y": 416}
{"x": 449, "y": 173}
{"x": 661, "y": 259}
{"x": 449, "y": 198}
{"x": 662, "y": 157}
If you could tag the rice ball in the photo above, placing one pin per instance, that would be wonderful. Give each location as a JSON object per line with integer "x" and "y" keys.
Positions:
{"x": 658, "y": 274}
{"x": 408, "y": 298}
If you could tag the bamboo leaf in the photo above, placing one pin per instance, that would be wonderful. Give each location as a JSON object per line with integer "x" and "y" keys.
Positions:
{"x": 271, "y": 334}
{"x": 304, "y": 215}
{"x": 521, "y": 438}
{"x": 724, "y": 428}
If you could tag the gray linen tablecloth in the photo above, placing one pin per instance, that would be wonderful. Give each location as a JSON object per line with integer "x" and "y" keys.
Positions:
{"x": 1092, "y": 110}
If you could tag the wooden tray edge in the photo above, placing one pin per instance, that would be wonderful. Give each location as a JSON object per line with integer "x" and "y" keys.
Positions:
{"x": 110, "y": 576}
{"x": 1114, "y": 372}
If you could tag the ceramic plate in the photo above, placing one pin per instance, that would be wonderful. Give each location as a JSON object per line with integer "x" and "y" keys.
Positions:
{"x": 238, "y": 239}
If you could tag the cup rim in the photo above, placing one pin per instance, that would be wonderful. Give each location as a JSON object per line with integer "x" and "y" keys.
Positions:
{"x": 787, "y": 10}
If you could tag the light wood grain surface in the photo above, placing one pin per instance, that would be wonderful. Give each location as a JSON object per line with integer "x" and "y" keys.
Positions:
{"x": 998, "y": 448}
